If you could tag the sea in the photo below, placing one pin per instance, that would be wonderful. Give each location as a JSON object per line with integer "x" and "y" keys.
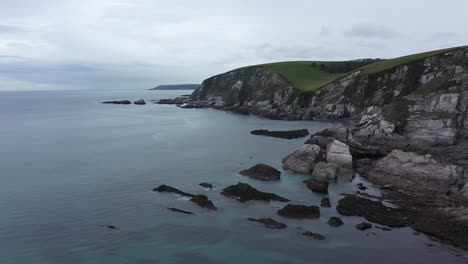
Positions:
{"x": 70, "y": 167}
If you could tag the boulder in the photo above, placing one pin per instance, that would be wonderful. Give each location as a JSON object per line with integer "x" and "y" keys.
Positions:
{"x": 262, "y": 172}
{"x": 140, "y": 102}
{"x": 325, "y": 171}
{"x": 166, "y": 188}
{"x": 325, "y": 202}
{"x": 363, "y": 226}
{"x": 180, "y": 211}
{"x": 338, "y": 153}
{"x": 335, "y": 221}
{"x": 317, "y": 185}
{"x": 303, "y": 160}
{"x": 269, "y": 223}
{"x": 410, "y": 171}
{"x": 290, "y": 134}
{"x": 300, "y": 211}
{"x": 206, "y": 185}
{"x": 245, "y": 192}
{"x": 314, "y": 235}
{"x": 124, "y": 102}
{"x": 203, "y": 201}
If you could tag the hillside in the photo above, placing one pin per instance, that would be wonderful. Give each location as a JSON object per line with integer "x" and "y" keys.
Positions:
{"x": 176, "y": 87}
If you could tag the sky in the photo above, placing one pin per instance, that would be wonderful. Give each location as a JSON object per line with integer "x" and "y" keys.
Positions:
{"x": 138, "y": 44}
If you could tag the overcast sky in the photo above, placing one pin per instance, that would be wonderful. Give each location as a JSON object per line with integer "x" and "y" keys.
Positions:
{"x": 137, "y": 44}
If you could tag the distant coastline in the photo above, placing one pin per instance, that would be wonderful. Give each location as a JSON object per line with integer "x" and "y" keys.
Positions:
{"x": 176, "y": 87}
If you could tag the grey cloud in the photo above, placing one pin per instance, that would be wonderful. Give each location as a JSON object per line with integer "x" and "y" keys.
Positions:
{"x": 6, "y": 29}
{"x": 370, "y": 31}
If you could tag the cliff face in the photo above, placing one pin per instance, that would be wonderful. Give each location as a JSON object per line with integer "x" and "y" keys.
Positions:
{"x": 419, "y": 103}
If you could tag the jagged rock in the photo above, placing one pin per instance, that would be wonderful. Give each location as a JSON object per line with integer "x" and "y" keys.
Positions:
{"x": 314, "y": 235}
{"x": 206, "y": 185}
{"x": 262, "y": 172}
{"x": 140, "y": 102}
{"x": 299, "y": 211}
{"x": 317, "y": 185}
{"x": 363, "y": 166}
{"x": 269, "y": 223}
{"x": 245, "y": 192}
{"x": 290, "y": 134}
{"x": 325, "y": 202}
{"x": 203, "y": 201}
{"x": 363, "y": 226}
{"x": 180, "y": 211}
{"x": 325, "y": 171}
{"x": 335, "y": 221}
{"x": 338, "y": 153}
{"x": 166, "y": 188}
{"x": 319, "y": 141}
{"x": 303, "y": 160}
{"x": 407, "y": 170}
{"x": 372, "y": 211}
{"x": 124, "y": 102}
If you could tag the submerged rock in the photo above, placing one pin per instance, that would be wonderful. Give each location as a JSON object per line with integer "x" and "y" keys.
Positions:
{"x": 140, "y": 102}
{"x": 314, "y": 235}
{"x": 245, "y": 192}
{"x": 179, "y": 211}
{"x": 300, "y": 211}
{"x": 203, "y": 201}
{"x": 363, "y": 226}
{"x": 325, "y": 171}
{"x": 166, "y": 188}
{"x": 124, "y": 102}
{"x": 291, "y": 134}
{"x": 303, "y": 160}
{"x": 206, "y": 185}
{"x": 317, "y": 185}
{"x": 335, "y": 221}
{"x": 262, "y": 172}
{"x": 269, "y": 223}
{"x": 325, "y": 202}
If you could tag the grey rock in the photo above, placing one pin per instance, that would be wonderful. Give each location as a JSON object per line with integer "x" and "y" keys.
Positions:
{"x": 302, "y": 160}
{"x": 338, "y": 153}
{"x": 317, "y": 185}
{"x": 325, "y": 171}
{"x": 262, "y": 172}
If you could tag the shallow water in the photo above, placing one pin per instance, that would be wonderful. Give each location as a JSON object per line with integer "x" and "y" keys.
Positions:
{"x": 71, "y": 166}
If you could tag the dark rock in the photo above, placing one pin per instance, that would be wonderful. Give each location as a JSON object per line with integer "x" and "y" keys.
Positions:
{"x": 112, "y": 227}
{"x": 206, "y": 185}
{"x": 203, "y": 201}
{"x": 246, "y": 193}
{"x": 363, "y": 166}
{"x": 314, "y": 235}
{"x": 319, "y": 141}
{"x": 363, "y": 226}
{"x": 124, "y": 102}
{"x": 325, "y": 202}
{"x": 269, "y": 223}
{"x": 372, "y": 211}
{"x": 299, "y": 211}
{"x": 180, "y": 211}
{"x": 140, "y": 102}
{"x": 335, "y": 221}
{"x": 166, "y": 188}
{"x": 317, "y": 185}
{"x": 383, "y": 228}
{"x": 262, "y": 172}
{"x": 361, "y": 186}
{"x": 291, "y": 134}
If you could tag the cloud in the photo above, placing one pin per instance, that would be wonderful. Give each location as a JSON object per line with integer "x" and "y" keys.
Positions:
{"x": 6, "y": 29}
{"x": 370, "y": 31}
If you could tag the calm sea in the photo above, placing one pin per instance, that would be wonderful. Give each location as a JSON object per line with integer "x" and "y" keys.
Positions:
{"x": 71, "y": 166}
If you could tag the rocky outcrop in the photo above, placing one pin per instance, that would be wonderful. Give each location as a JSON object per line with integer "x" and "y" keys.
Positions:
{"x": 338, "y": 154}
{"x": 166, "y": 188}
{"x": 325, "y": 202}
{"x": 203, "y": 201}
{"x": 317, "y": 185}
{"x": 325, "y": 171}
{"x": 300, "y": 211}
{"x": 269, "y": 223}
{"x": 335, "y": 221}
{"x": 262, "y": 172}
{"x": 206, "y": 185}
{"x": 303, "y": 160}
{"x": 290, "y": 134}
{"x": 313, "y": 235}
{"x": 123, "y": 102}
{"x": 140, "y": 102}
{"x": 179, "y": 211}
{"x": 363, "y": 226}
{"x": 245, "y": 192}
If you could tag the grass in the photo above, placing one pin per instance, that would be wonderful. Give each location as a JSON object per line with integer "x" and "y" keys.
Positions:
{"x": 305, "y": 77}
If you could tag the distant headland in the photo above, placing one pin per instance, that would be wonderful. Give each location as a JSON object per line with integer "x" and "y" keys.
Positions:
{"x": 176, "y": 87}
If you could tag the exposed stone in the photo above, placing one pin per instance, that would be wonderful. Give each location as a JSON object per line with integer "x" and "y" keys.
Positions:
{"x": 335, "y": 221}
{"x": 325, "y": 202}
{"x": 317, "y": 185}
{"x": 203, "y": 201}
{"x": 206, "y": 185}
{"x": 269, "y": 223}
{"x": 180, "y": 211}
{"x": 140, "y": 102}
{"x": 314, "y": 235}
{"x": 363, "y": 226}
{"x": 303, "y": 160}
{"x": 290, "y": 134}
{"x": 325, "y": 171}
{"x": 245, "y": 192}
{"x": 338, "y": 153}
{"x": 262, "y": 172}
{"x": 124, "y": 102}
{"x": 166, "y": 188}
{"x": 299, "y": 211}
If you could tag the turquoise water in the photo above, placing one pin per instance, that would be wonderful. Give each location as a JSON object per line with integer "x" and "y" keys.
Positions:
{"x": 71, "y": 166}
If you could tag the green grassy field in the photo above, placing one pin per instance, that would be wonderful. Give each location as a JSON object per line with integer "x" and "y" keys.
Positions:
{"x": 307, "y": 76}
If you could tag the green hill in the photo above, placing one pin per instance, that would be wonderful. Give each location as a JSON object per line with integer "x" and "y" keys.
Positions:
{"x": 313, "y": 75}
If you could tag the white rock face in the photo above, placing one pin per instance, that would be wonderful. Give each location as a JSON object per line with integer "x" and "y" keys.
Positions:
{"x": 302, "y": 160}
{"x": 338, "y": 153}
{"x": 409, "y": 170}
{"x": 325, "y": 171}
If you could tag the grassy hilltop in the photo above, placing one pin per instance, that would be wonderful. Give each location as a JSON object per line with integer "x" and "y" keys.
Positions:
{"x": 313, "y": 75}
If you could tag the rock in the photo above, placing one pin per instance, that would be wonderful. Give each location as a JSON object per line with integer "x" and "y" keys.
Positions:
{"x": 291, "y": 134}
{"x": 302, "y": 160}
{"x": 166, "y": 188}
{"x": 300, "y": 211}
{"x": 140, "y": 102}
{"x": 246, "y": 193}
{"x": 363, "y": 226}
{"x": 325, "y": 202}
{"x": 320, "y": 141}
{"x": 112, "y": 227}
{"x": 383, "y": 228}
{"x": 411, "y": 171}
{"x": 363, "y": 166}
{"x": 262, "y": 172}
{"x": 124, "y": 102}
{"x": 314, "y": 235}
{"x": 338, "y": 153}
{"x": 317, "y": 185}
{"x": 335, "y": 221}
{"x": 325, "y": 171}
{"x": 180, "y": 211}
{"x": 203, "y": 201}
{"x": 269, "y": 223}
{"x": 372, "y": 211}
{"x": 206, "y": 185}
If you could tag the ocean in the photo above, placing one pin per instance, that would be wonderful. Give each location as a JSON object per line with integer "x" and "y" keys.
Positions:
{"x": 71, "y": 166}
